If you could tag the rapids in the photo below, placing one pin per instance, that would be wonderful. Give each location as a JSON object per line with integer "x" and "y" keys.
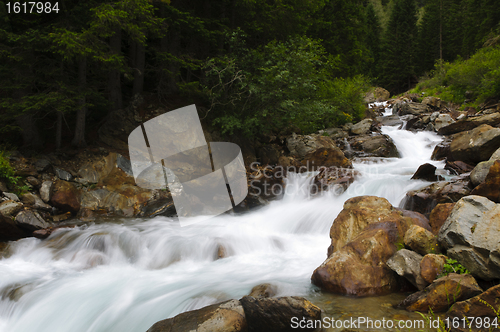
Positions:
{"x": 126, "y": 274}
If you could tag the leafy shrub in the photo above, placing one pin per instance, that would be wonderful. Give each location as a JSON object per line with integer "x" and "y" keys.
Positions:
{"x": 6, "y": 170}
{"x": 452, "y": 266}
{"x": 280, "y": 87}
{"x": 480, "y": 75}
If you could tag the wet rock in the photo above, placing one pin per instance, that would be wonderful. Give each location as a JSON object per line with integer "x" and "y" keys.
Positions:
{"x": 276, "y": 314}
{"x": 442, "y": 151}
{"x": 163, "y": 206}
{"x": 11, "y": 196}
{"x": 263, "y": 290}
{"x": 300, "y": 145}
{"x": 431, "y": 266}
{"x": 458, "y": 167}
{"x": 267, "y": 182}
{"x": 36, "y": 202}
{"x": 425, "y": 172}
{"x": 362, "y": 127}
{"x": 10, "y": 208}
{"x": 124, "y": 164}
{"x": 98, "y": 170}
{"x": 333, "y": 179}
{"x": 65, "y": 196}
{"x": 442, "y": 293}
{"x": 358, "y": 213}
{"x": 421, "y": 240}
{"x": 62, "y": 174}
{"x": 438, "y": 216}
{"x": 479, "y": 173}
{"x": 391, "y": 120}
{"x": 425, "y": 199}
{"x": 42, "y": 165}
{"x": 470, "y": 123}
{"x": 471, "y": 235}
{"x": 34, "y": 182}
{"x": 406, "y": 263}
{"x": 46, "y": 191}
{"x": 482, "y": 305}
{"x": 30, "y": 220}
{"x": 443, "y": 120}
{"x": 418, "y": 218}
{"x": 376, "y": 145}
{"x": 490, "y": 188}
{"x": 475, "y": 145}
{"x": 227, "y": 316}
{"x": 325, "y": 157}
{"x": 413, "y": 108}
{"x": 359, "y": 268}
{"x": 8, "y": 229}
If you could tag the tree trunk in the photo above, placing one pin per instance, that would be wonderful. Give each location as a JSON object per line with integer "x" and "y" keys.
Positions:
{"x": 114, "y": 83}
{"x": 79, "y": 138}
{"x": 58, "y": 130}
{"x": 31, "y": 138}
{"x": 139, "y": 65}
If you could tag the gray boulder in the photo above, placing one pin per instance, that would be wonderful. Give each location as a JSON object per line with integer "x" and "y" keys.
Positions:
{"x": 46, "y": 191}
{"x": 479, "y": 173}
{"x": 471, "y": 234}
{"x": 362, "y": 127}
{"x": 442, "y": 120}
{"x": 31, "y": 220}
{"x": 475, "y": 145}
{"x": 406, "y": 263}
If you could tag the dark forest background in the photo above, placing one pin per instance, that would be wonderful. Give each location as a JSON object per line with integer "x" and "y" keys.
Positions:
{"x": 251, "y": 66}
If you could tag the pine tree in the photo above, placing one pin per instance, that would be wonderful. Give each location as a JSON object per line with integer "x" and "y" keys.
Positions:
{"x": 399, "y": 54}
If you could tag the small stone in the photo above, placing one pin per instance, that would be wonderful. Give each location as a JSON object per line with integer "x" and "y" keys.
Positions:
{"x": 11, "y": 196}
{"x": 42, "y": 165}
{"x": 46, "y": 191}
{"x": 63, "y": 175}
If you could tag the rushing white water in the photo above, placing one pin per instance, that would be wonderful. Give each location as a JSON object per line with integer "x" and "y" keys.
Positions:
{"x": 127, "y": 275}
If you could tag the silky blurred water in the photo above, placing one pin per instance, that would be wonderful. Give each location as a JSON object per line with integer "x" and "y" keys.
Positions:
{"x": 126, "y": 275}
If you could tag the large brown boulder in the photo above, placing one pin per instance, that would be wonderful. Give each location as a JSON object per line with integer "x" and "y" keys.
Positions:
{"x": 475, "y": 145}
{"x": 248, "y": 314}
{"x": 443, "y": 293}
{"x": 227, "y": 316}
{"x": 490, "y": 188}
{"x": 358, "y": 213}
{"x": 278, "y": 314}
{"x": 482, "y": 305}
{"x": 359, "y": 267}
{"x": 364, "y": 237}
{"x": 65, "y": 196}
{"x": 439, "y": 215}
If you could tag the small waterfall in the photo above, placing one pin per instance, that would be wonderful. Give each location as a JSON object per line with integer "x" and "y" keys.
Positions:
{"x": 126, "y": 275}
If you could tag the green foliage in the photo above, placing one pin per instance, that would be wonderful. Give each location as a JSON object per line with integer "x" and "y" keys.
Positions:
{"x": 8, "y": 173}
{"x": 283, "y": 86}
{"x": 399, "y": 56}
{"x": 452, "y": 266}
{"x": 479, "y": 75}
